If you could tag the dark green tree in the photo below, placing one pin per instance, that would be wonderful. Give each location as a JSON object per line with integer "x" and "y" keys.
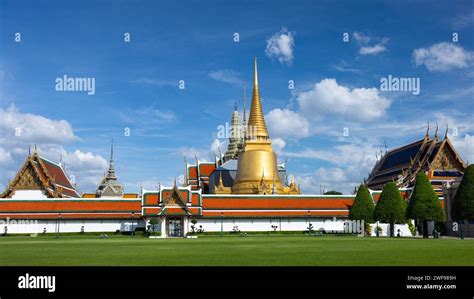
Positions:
{"x": 424, "y": 204}
{"x": 390, "y": 208}
{"x": 363, "y": 206}
{"x": 463, "y": 203}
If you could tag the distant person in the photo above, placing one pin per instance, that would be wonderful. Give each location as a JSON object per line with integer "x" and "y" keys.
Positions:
{"x": 398, "y": 233}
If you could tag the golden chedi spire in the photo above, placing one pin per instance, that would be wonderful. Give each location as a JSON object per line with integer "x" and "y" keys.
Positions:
{"x": 258, "y": 128}
{"x": 257, "y": 169}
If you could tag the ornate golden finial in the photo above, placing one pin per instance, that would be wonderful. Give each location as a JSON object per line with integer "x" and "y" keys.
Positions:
{"x": 257, "y": 126}
{"x": 220, "y": 179}
{"x": 255, "y": 72}
{"x": 446, "y": 132}
{"x": 427, "y": 135}
{"x": 36, "y": 150}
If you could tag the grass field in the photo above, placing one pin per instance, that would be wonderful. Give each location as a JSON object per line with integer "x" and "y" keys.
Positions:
{"x": 279, "y": 250}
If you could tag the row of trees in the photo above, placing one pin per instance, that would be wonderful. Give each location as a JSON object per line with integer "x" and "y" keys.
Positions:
{"x": 424, "y": 204}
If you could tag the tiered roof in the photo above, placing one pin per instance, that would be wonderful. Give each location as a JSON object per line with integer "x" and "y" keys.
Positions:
{"x": 401, "y": 165}
{"x": 172, "y": 201}
{"x": 197, "y": 176}
{"x": 38, "y": 173}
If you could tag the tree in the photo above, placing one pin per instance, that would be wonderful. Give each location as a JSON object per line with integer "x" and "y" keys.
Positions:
{"x": 463, "y": 203}
{"x": 153, "y": 223}
{"x": 424, "y": 204}
{"x": 390, "y": 208}
{"x": 363, "y": 206}
{"x": 332, "y": 193}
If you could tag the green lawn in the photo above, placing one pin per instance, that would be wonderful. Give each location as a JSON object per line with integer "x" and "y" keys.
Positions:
{"x": 236, "y": 251}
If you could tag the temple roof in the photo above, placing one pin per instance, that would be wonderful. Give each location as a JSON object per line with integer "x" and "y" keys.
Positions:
{"x": 401, "y": 155}
{"x": 38, "y": 173}
{"x": 403, "y": 163}
{"x": 109, "y": 186}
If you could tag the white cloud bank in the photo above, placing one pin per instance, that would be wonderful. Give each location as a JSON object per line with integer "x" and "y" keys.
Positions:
{"x": 20, "y": 130}
{"x": 226, "y": 76}
{"x": 328, "y": 97}
{"x": 366, "y": 46}
{"x": 287, "y": 123}
{"x": 280, "y": 46}
{"x": 443, "y": 57}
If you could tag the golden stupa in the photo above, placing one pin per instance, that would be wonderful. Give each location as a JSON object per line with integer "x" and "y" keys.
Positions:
{"x": 257, "y": 169}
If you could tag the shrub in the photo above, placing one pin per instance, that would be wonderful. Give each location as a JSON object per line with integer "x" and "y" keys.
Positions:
{"x": 463, "y": 203}
{"x": 363, "y": 206}
{"x": 390, "y": 208}
{"x": 424, "y": 204}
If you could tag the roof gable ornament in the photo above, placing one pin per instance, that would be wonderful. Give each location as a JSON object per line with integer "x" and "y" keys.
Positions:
{"x": 436, "y": 132}
{"x": 175, "y": 197}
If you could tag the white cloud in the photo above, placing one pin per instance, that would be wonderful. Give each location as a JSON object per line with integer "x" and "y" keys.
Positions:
{"x": 26, "y": 127}
{"x": 278, "y": 144}
{"x": 464, "y": 146}
{"x": 146, "y": 116}
{"x": 374, "y": 50}
{"x": 218, "y": 145}
{"x": 328, "y": 97}
{"x": 280, "y": 46}
{"x": 366, "y": 48}
{"x": 345, "y": 67}
{"x": 226, "y": 76}
{"x": 85, "y": 168}
{"x": 463, "y": 21}
{"x": 5, "y": 157}
{"x": 203, "y": 154}
{"x": 189, "y": 153}
{"x": 442, "y": 57}
{"x": 361, "y": 38}
{"x": 350, "y": 162}
{"x": 326, "y": 179}
{"x": 49, "y": 135}
{"x": 287, "y": 123}
{"x": 155, "y": 82}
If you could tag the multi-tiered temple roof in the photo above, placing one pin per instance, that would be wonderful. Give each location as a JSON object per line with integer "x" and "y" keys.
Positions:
{"x": 436, "y": 157}
{"x": 39, "y": 174}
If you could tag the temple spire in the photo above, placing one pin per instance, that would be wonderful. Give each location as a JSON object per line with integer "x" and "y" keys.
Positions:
{"x": 257, "y": 126}
{"x": 244, "y": 119}
{"x": 428, "y": 131}
{"x": 109, "y": 185}
{"x": 111, "y": 171}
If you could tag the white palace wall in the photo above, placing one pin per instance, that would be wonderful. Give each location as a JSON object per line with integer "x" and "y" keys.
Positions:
{"x": 23, "y": 226}
{"x": 329, "y": 225}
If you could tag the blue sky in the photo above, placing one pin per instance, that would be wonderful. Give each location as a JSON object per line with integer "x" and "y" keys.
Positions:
{"x": 337, "y": 83}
